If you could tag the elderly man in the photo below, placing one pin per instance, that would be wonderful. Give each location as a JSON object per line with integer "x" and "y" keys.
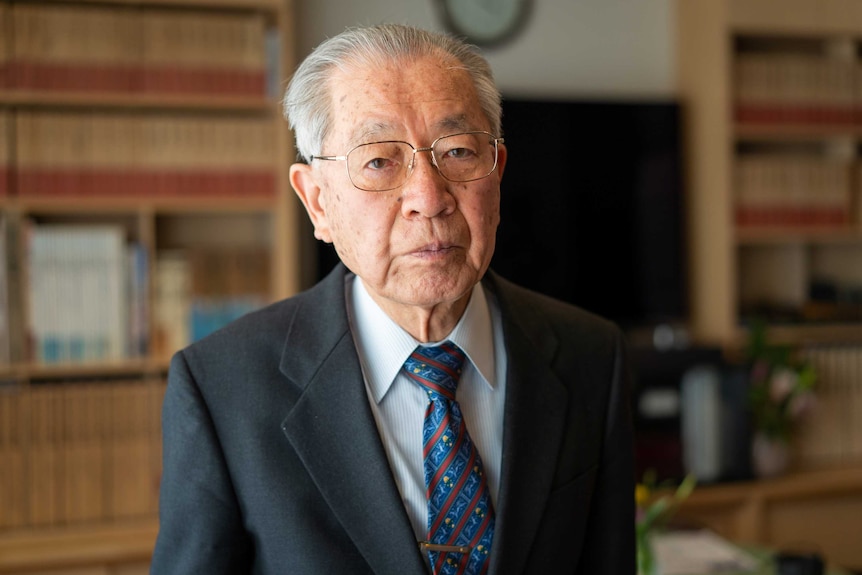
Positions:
{"x": 412, "y": 413}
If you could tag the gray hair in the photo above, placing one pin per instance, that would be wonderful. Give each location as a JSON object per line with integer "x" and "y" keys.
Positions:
{"x": 307, "y": 102}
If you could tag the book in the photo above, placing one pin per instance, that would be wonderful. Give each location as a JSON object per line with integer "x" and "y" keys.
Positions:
{"x": 138, "y": 299}
{"x": 794, "y": 89}
{"x": 225, "y": 285}
{"x": 83, "y": 481}
{"x": 74, "y": 48}
{"x": 5, "y": 320}
{"x": 13, "y": 456}
{"x": 132, "y": 440}
{"x": 124, "y": 49}
{"x": 831, "y": 434}
{"x": 126, "y": 154}
{"x": 4, "y": 54}
{"x": 44, "y": 457}
{"x": 77, "y": 309}
{"x": 5, "y": 148}
{"x": 196, "y": 52}
{"x": 172, "y": 302}
{"x": 792, "y": 191}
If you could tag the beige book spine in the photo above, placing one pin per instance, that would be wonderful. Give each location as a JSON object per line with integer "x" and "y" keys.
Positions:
{"x": 14, "y": 408}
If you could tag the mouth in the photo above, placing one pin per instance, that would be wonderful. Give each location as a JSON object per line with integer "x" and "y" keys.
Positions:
{"x": 434, "y": 249}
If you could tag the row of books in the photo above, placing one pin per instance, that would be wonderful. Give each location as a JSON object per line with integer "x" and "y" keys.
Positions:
{"x": 125, "y": 49}
{"x": 833, "y": 432}
{"x": 797, "y": 89}
{"x": 89, "y": 294}
{"x": 200, "y": 290}
{"x": 79, "y": 452}
{"x": 793, "y": 191}
{"x": 103, "y": 154}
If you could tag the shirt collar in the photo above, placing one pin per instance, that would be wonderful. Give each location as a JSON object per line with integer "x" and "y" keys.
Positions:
{"x": 383, "y": 345}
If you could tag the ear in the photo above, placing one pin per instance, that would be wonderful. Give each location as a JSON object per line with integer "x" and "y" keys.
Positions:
{"x": 502, "y": 155}
{"x": 305, "y": 183}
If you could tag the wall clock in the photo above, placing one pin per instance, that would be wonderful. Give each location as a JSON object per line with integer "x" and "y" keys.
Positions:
{"x": 484, "y": 22}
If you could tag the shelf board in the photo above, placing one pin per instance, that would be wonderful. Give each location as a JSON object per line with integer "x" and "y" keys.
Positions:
{"x": 118, "y": 368}
{"x": 138, "y": 101}
{"x": 801, "y": 333}
{"x": 795, "y": 132}
{"x": 798, "y": 235}
{"x": 816, "y": 333}
{"x": 57, "y": 548}
{"x": 796, "y": 485}
{"x": 107, "y": 205}
{"x": 265, "y": 5}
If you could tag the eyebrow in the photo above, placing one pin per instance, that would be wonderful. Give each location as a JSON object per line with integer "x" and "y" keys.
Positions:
{"x": 458, "y": 122}
{"x": 371, "y": 131}
{"x": 381, "y": 130}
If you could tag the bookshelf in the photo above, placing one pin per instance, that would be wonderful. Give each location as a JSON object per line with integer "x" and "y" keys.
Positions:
{"x": 773, "y": 93}
{"x": 144, "y": 202}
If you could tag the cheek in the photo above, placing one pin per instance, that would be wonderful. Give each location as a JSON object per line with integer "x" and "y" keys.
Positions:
{"x": 361, "y": 223}
{"x": 483, "y": 217}
{"x": 488, "y": 211}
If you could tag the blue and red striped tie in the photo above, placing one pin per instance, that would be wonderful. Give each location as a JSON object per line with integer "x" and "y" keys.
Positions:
{"x": 460, "y": 512}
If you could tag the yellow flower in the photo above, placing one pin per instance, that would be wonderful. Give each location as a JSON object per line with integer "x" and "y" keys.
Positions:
{"x": 642, "y": 494}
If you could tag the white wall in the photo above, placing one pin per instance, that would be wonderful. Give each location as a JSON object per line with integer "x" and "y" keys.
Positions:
{"x": 594, "y": 48}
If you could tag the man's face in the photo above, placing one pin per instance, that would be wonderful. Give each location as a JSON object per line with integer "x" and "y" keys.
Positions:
{"x": 430, "y": 240}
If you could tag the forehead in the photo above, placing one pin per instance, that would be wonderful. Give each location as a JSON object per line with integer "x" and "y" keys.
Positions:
{"x": 396, "y": 97}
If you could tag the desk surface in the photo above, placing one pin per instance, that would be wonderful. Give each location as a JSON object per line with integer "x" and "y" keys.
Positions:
{"x": 703, "y": 552}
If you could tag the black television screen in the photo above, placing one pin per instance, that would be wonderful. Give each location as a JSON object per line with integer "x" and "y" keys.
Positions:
{"x": 592, "y": 206}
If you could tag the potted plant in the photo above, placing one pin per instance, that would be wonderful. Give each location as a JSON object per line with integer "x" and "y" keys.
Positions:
{"x": 653, "y": 514}
{"x": 781, "y": 394}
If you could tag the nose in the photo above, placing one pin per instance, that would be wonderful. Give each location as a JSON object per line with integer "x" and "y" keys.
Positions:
{"x": 426, "y": 193}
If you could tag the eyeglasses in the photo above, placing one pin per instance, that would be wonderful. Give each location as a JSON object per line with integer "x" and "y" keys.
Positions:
{"x": 382, "y": 166}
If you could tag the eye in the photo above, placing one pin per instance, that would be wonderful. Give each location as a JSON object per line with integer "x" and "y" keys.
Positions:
{"x": 460, "y": 153}
{"x": 379, "y": 163}
{"x": 459, "y": 147}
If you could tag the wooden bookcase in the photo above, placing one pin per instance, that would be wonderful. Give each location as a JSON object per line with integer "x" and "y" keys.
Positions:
{"x": 144, "y": 201}
{"x": 773, "y": 98}
{"x": 772, "y": 91}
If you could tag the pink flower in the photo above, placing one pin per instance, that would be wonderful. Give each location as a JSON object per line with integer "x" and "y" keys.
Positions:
{"x": 782, "y": 383}
{"x": 801, "y": 404}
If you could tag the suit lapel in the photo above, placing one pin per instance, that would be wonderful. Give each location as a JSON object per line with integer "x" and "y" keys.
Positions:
{"x": 332, "y": 429}
{"x": 535, "y": 415}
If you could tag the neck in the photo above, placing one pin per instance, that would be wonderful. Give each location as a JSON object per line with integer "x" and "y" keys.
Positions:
{"x": 426, "y": 324}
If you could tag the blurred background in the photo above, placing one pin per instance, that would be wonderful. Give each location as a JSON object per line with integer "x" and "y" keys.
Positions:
{"x": 690, "y": 170}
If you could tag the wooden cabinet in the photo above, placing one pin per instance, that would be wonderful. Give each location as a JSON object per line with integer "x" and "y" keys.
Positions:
{"x": 807, "y": 511}
{"x": 773, "y": 98}
{"x": 144, "y": 202}
{"x": 122, "y": 548}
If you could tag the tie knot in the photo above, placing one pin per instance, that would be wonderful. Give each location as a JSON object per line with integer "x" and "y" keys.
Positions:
{"x": 436, "y": 368}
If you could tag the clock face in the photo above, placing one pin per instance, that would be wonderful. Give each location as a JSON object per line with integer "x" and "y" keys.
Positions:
{"x": 484, "y": 22}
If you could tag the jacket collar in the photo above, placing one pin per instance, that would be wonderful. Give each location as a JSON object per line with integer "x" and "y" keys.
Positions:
{"x": 333, "y": 431}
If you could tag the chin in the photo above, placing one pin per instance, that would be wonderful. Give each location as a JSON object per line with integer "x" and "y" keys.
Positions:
{"x": 433, "y": 289}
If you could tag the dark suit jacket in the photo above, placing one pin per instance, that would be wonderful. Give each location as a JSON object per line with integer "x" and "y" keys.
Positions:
{"x": 273, "y": 463}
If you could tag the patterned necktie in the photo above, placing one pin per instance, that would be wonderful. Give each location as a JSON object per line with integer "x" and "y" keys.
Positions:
{"x": 460, "y": 513}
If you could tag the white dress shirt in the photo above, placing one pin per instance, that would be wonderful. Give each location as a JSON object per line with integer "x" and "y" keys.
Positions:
{"x": 398, "y": 404}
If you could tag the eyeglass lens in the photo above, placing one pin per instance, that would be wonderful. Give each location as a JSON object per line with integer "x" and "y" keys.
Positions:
{"x": 383, "y": 166}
